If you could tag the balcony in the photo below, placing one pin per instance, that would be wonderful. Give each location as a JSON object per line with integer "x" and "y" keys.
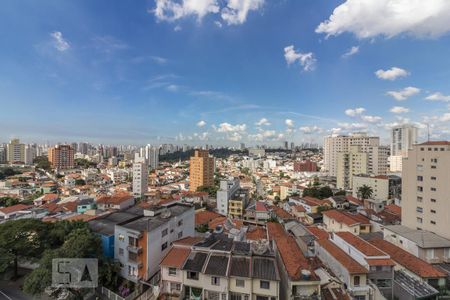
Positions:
{"x": 134, "y": 249}
{"x": 433, "y": 260}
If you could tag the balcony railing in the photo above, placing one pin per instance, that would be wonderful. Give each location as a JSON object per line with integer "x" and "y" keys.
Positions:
{"x": 134, "y": 249}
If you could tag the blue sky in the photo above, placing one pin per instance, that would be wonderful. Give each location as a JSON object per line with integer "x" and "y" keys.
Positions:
{"x": 221, "y": 71}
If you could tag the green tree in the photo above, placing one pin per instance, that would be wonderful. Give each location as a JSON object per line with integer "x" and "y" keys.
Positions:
{"x": 211, "y": 190}
{"x": 325, "y": 192}
{"x": 22, "y": 239}
{"x": 42, "y": 162}
{"x": 8, "y": 201}
{"x": 365, "y": 191}
{"x": 340, "y": 193}
{"x": 80, "y": 182}
{"x": 109, "y": 271}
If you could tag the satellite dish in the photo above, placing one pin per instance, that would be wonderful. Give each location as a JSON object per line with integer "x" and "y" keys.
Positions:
{"x": 259, "y": 247}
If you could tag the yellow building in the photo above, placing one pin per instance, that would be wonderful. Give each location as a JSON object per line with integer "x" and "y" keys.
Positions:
{"x": 201, "y": 170}
{"x": 350, "y": 163}
{"x": 237, "y": 204}
{"x": 15, "y": 151}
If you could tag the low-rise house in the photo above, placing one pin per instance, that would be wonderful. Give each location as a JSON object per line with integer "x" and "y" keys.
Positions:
{"x": 85, "y": 204}
{"x": 424, "y": 244}
{"x": 14, "y": 211}
{"x": 47, "y": 198}
{"x": 311, "y": 204}
{"x": 140, "y": 244}
{"x": 412, "y": 265}
{"x": 335, "y": 221}
{"x": 117, "y": 201}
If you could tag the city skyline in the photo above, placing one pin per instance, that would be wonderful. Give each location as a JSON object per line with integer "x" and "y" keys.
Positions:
{"x": 220, "y": 73}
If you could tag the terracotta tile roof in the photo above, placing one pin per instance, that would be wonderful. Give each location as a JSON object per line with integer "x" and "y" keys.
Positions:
{"x": 176, "y": 257}
{"x": 360, "y": 244}
{"x": 14, "y": 208}
{"x": 50, "y": 197}
{"x": 394, "y": 209}
{"x": 299, "y": 208}
{"x": 407, "y": 260}
{"x": 354, "y": 200}
{"x": 204, "y": 217}
{"x": 260, "y": 206}
{"x": 311, "y": 201}
{"x": 380, "y": 262}
{"x": 352, "y": 266}
{"x": 221, "y": 220}
{"x": 256, "y": 234}
{"x": 275, "y": 230}
{"x": 281, "y": 213}
{"x": 317, "y": 232}
{"x": 114, "y": 199}
{"x": 81, "y": 217}
{"x": 346, "y": 218}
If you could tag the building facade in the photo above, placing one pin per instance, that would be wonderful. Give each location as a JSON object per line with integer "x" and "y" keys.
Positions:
{"x": 15, "y": 151}
{"x": 402, "y": 139}
{"x": 61, "y": 157}
{"x": 201, "y": 170}
{"x": 140, "y": 176}
{"x": 425, "y": 188}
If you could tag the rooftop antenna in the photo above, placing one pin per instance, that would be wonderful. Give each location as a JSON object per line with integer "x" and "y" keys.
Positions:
{"x": 428, "y": 132}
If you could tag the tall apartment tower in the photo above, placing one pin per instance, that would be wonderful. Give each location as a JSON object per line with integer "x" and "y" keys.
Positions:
{"x": 350, "y": 163}
{"x": 152, "y": 156}
{"x": 15, "y": 151}
{"x": 402, "y": 139}
{"x": 201, "y": 170}
{"x": 140, "y": 176}
{"x": 227, "y": 190}
{"x": 335, "y": 144}
{"x": 61, "y": 157}
{"x": 426, "y": 189}
{"x": 3, "y": 154}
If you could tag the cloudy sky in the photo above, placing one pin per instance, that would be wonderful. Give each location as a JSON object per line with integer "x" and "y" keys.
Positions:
{"x": 222, "y": 71}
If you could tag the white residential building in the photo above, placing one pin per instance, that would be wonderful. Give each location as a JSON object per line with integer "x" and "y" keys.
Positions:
{"x": 140, "y": 176}
{"x": 402, "y": 139}
{"x": 226, "y": 191}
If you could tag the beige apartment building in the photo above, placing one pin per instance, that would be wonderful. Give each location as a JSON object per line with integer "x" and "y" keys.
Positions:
{"x": 426, "y": 188}
{"x": 15, "y": 151}
{"x": 335, "y": 144}
{"x": 201, "y": 170}
{"x": 350, "y": 163}
{"x": 61, "y": 157}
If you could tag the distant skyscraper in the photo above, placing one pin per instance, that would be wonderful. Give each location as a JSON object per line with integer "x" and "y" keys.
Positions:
{"x": 140, "y": 176}
{"x": 61, "y": 157}
{"x": 402, "y": 139}
{"x": 30, "y": 154}
{"x": 242, "y": 146}
{"x": 292, "y": 145}
{"x": 15, "y": 151}
{"x": 152, "y": 155}
{"x": 83, "y": 148}
{"x": 286, "y": 145}
{"x": 201, "y": 170}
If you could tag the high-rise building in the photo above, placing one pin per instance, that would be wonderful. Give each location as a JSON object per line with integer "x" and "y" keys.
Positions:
{"x": 341, "y": 143}
{"x": 15, "y": 151}
{"x": 3, "y": 159}
{"x": 426, "y": 189}
{"x": 201, "y": 170}
{"x": 61, "y": 157}
{"x": 286, "y": 145}
{"x": 83, "y": 148}
{"x": 30, "y": 153}
{"x": 152, "y": 155}
{"x": 403, "y": 137}
{"x": 350, "y": 163}
{"x": 140, "y": 176}
{"x": 226, "y": 191}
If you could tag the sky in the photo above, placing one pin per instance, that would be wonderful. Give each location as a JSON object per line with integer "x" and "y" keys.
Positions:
{"x": 222, "y": 72}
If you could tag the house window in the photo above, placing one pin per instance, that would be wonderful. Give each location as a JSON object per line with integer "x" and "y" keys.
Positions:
{"x": 433, "y": 222}
{"x": 121, "y": 251}
{"x": 419, "y": 199}
{"x": 420, "y": 189}
{"x": 419, "y": 178}
{"x": 419, "y": 209}
{"x": 433, "y": 189}
{"x": 192, "y": 275}
{"x": 180, "y": 234}
{"x": 419, "y": 220}
{"x": 447, "y": 252}
{"x": 215, "y": 280}
{"x": 430, "y": 253}
{"x": 433, "y": 200}
{"x": 172, "y": 272}
{"x": 432, "y": 211}
{"x": 164, "y": 246}
{"x": 383, "y": 283}
{"x": 164, "y": 232}
{"x": 356, "y": 280}
{"x": 263, "y": 284}
{"x": 180, "y": 222}
{"x": 240, "y": 282}
{"x": 175, "y": 286}
{"x": 433, "y": 178}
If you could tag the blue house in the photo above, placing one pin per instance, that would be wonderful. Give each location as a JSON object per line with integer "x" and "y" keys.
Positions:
{"x": 85, "y": 204}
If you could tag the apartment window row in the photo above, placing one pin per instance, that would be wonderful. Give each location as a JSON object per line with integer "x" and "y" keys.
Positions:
{"x": 420, "y": 199}
{"x": 432, "y": 149}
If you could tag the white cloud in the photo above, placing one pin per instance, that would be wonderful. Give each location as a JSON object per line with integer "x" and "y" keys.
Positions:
{"x": 158, "y": 59}
{"x": 262, "y": 122}
{"x": 399, "y": 110}
{"x": 445, "y": 117}
{"x": 371, "y": 119}
{"x": 177, "y": 28}
{"x": 354, "y": 112}
{"x": 311, "y": 129}
{"x": 170, "y": 10}
{"x": 232, "y": 12}
{"x": 353, "y": 50}
{"x": 370, "y": 18}
{"x": 59, "y": 42}
{"x": 227, "y": 127}
{"x": 404, "y": 93}
{"x": 352, "y": 126}
{"x": 438, "y": 97}
{"x": 173, "y": 87}
{"x": 236, "y": 11}
{"x": 306, "y": 60}
{"x": 234, "y": 137}
{"x": 289, "y": 123}
{"x": 391, "y": 74}
{"x": 201, "y": 123}
{"x": 201, "y": 136}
